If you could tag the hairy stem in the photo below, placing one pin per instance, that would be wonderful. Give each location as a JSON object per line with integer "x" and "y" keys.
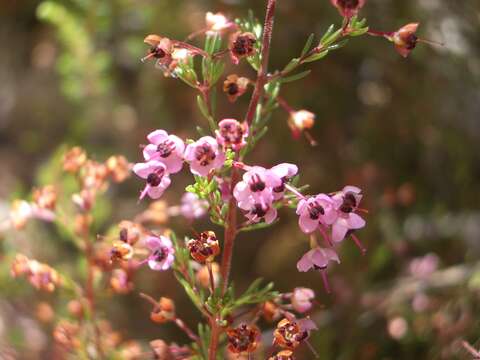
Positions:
{"x": 231, "y": 224}
{"x": 263, "y": 69}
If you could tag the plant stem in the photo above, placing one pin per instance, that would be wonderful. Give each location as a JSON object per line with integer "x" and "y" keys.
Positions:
{"x": 263, "y": 69}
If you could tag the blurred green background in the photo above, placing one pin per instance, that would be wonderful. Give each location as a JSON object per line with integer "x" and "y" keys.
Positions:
{"x": 405, "y": 131}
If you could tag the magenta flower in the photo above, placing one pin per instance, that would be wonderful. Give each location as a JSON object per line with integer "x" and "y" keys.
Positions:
{"x": 255, "y": 188}
{"x": 346, "y": 203}
{"x": 192, "y": 207}
{"x": 302, "y": 299}
{"x": 259, "y": 212}
{"x": 165, "y": 148}
{"x": 204, "y": 155}
{"x": 285, "y": 172}
{"x": 318, "y": 259}
{"x": 162, "y": 252}
{"x": 315, "y": 211}
{"x": 232, "y": 134}
{"x": 155, "y": 172}
{"x": 348, "y": 8}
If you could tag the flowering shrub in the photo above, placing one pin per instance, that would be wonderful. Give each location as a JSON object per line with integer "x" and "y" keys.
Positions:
{"x": 237, "y": 193}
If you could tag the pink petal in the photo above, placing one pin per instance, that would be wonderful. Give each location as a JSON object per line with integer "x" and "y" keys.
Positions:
{"x": 307, "y": 224}
{"x": 355, "y": 221}
{"x": 305, "y": 263}
{"x": 157, "y": 136}
{"x": 338, "y": 231}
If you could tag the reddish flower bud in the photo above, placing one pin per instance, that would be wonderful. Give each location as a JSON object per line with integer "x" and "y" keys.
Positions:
{"x": 405, "y": 39}
{"x": 120, "y": 282}
{"x": 66, "y": 334}
{"x": 283, "y": 355}
{"x": 348, "y": 8}
{"x": 290, "y": 333}
{"x": 74, "y": 159}
{"x": 203, "y": 276}
{"x": 241, "y": 45}
{"x": 243, "y": 338}
{"x": 163, "y": 311}
{"x": 270, "y": 311}
{"x": 204, "y": 247}
{"x": 45, "y": 197}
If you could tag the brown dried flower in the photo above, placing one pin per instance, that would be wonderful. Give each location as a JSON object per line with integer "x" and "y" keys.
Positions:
{"x": 204, "y": 247}
{"x": 243, "y": 338}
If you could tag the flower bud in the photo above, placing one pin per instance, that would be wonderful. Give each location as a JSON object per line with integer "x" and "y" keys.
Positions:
{"x": 75, "y": 308}
{"x": 45, "y": 197}
{"x": 283, "y": 355}
{"x": 270, "y": 311}
{"x": 66, "y": 334}
{"x": 118, "y": 168}
{"x": 348, "y": 8}
{"x": 161, "y": 350}
{"x": 302, "y": 299}
{"x": 120, "y": 282}
{"x": 164, "y": 311}
{"x": 74, "y": 159}
{"x": 243, "y": 338}
{"x": 130, "y": 232}
{"x": 205, "y": 247}
{"x": 44, "y": 312}
{"x": 203, "y": 276}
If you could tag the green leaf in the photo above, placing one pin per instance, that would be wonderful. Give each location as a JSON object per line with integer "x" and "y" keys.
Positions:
{"x": 327, "y": 34}
{"x": 338, "y": 45}
{"x": 296, "y": 77}
{"x": 317, "y": 56}
{"x": 308, "y": 45}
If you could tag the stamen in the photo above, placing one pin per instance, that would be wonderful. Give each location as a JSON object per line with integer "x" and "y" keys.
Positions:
{"x": 326, "y": 285}
{"x": 359, "y": 244}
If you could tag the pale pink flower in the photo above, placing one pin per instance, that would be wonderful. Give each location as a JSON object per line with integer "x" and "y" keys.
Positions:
{"x": 315, "y": 211}
{"x": 423, "y": 267}
{"x": 217, "y": 23}
{"x": 165, "y": 148}
{"x": 346, "y": 203}
{"x": 318, "y": 259}
{"x": 161, "y": 252}
{"x": 204, "y": 155}
{"x": 155, "y": 172}
{"x": 285, "y": 172}
{"x": 256, "y": 187}
{"x": 232, "y": 134}
{"x": 302, "y": 299}
{"x": 192, "y": 207}
{"x": 259, "y": 212}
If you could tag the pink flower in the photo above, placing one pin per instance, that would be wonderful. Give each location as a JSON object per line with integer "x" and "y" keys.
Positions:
{"x": 256, "y": 187}
{"x": 285, "y": 172}
{"x": 165, "y": 148}
{"x": 192, "y": 207}
{"x": 346, "y": 203}
{"x": 259, "y": 212}
{"x": 423, "y": 267}
{"x": 155, "y": 172}
{"x": 405, "y": 39}
{"x": 348, "y": 8}
{"x": 314, "y": 211}
{"x": 217, "y": 23}
{"x": 232, "y": 134}
{"x": 302, "y": 299}
{"x": 162, "y": 252}
{"x": 204, "y": 155}
{"x": 318, "y": 259}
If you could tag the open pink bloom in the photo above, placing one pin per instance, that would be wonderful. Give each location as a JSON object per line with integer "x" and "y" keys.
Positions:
{"x": 204, "y": 155}
{"x": 314, "y": 211}
{"x": 155, "y": 172}
{"x": 348, "y": 8}
{"x": 259, "y": 212}
{"x": 256, "y": 187}
{"x": 162, "y": 252}
{"x": 192, "y": 207}
{"x": 346, "y": 203}
{"x": 302, "y": 299}
{"x": 217, "y": 23}
{"x": 318, "y": 259}
{"x": 232, "y": 134}
{"x": 285, "y": 172}
{"x": 165, "y": 148}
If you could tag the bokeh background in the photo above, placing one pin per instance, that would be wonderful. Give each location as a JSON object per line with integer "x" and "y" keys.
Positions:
{"x": 405, "y": 131}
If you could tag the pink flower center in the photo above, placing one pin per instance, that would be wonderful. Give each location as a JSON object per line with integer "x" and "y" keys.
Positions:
{"x": 259, "y": 210}
{"x": 166, "y": 148}
{"x": 411, "y": 42}
{"x": 315, "y": 210}
{"x": 243, "y": 45}
{"x": 155, "y": 178}
{"x": 256, "y": 183}
{"x": 348, "y": 4}
{"x": 232, "y": 89}
{"x": 205, "y": 154}
{"x": 232, "y": 133}
{"x": 157, "y": 52}
{"x": 160, "y": 254}
{"x": 349, "y": 203}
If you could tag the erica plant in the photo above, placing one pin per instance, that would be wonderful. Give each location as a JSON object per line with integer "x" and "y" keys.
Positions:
{"x": 238, "y": 194}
